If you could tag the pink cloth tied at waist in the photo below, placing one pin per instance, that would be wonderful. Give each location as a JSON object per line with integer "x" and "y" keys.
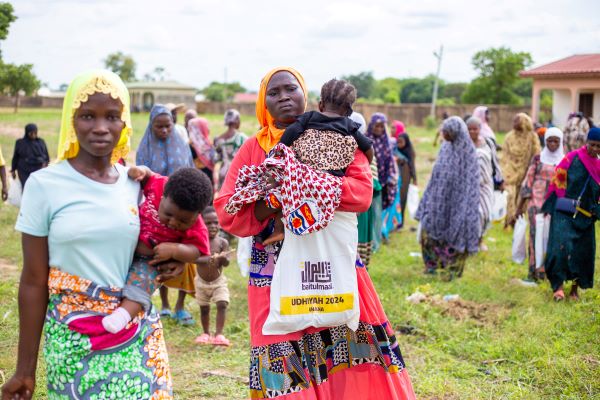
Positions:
{"x": 307, "y": 197}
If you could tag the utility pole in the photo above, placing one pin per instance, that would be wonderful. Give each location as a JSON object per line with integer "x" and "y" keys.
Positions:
{"x": 225, "y": 93}
{"x": 437, "y": 55}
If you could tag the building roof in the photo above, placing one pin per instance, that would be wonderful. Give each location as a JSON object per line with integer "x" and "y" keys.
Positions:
{"x": 245, "y": 97}
{"x": 159, "y": 85}
{"x": 578, "y": 65}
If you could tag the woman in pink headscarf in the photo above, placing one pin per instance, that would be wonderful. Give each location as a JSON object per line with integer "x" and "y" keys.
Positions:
{"x": 202, "y": 149}
{"x": 404, "y": 153}
{"x": 483, "y": 113}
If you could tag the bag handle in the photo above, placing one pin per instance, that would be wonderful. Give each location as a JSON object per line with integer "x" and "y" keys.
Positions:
{"x": 583, "y": 190}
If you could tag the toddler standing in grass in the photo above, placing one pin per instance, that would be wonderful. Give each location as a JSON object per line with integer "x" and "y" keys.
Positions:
{"x": 211, "y": 283}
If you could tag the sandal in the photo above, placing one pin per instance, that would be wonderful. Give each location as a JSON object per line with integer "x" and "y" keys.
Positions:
{"x": 183, "y": 317}
{"x": 205, "y": 338}
{"x": 165, "y": 312}
{"x": 559, "y": 295}
{"x": 220, "y": 340}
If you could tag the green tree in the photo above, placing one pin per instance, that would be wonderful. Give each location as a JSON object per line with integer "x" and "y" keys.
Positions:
{"x": 17, "y": 78}
{"x": 498, "y": 76}
{"x": 419, "y": 90}
{"x": 453, "y": 91}
{"x": 122, "y": 65}
{"x": 7, "y": 17}
{"x": 218, "y": 91}
{"x": 364, "y": 83}
{"x": 388, "y": 90}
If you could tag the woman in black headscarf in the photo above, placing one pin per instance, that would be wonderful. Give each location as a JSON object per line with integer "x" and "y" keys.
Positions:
{"x": 30, "y": 154}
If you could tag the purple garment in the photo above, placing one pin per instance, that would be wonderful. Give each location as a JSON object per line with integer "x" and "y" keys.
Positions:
{"x": 386, "y": 166}
{"x": 449, "y": 209}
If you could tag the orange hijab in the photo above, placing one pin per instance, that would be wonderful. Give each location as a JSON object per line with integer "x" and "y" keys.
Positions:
{"x": 269, "y": 135}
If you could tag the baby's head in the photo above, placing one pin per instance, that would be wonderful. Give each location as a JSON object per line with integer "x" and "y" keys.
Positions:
{"x": 187, "y": 192}
{"x": 337, "y": 96}
{"x": 209, "y": 215}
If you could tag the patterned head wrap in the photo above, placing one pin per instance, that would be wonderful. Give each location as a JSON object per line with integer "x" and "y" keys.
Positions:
{"x": 449, "y": 209}
{"x": 83, "y": 86}
{"x": 231, "y": 116}
{"x": 386, "y": 166}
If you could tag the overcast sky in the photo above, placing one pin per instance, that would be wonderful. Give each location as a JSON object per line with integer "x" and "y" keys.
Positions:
{"x": 196, "y": 40}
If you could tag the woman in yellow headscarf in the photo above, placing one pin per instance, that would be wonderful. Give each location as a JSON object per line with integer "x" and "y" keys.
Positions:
{"x": 341, "y": 362}
{"x": 520, "y": 145}
{"x": 80, "y": 226}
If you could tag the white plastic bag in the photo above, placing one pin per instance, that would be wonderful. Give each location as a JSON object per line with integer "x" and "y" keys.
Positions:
{"x": 500, "y": 202}
{"x": 314, "y": 282}
{"x": 519, "y": 249}
{"x": 15, "y": 192}
{"x": 244, "y": 254}
{"x": 412, "y": 200}
{"x": 542, "y": 231}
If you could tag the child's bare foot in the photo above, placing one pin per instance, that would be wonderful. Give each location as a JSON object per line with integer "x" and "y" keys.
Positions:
{"x": 275, "y": 237}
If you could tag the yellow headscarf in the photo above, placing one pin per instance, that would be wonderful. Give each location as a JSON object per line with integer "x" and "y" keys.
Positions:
{"x": 83, "y": 86}
{"x": 269, "y": 135}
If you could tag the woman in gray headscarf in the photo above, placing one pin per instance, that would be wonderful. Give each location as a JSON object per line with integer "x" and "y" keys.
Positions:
{"x": 227, "y": 146}
{"x": 449, "y": 209}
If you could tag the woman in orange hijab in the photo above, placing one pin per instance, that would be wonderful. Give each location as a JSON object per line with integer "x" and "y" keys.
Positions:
{"x": 341, "y": 362}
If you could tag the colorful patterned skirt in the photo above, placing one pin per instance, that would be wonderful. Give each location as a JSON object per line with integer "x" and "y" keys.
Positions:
{"x": 440, "y": 255}
{"x": 83, "y": 361}
{"x": 323, "y": 364}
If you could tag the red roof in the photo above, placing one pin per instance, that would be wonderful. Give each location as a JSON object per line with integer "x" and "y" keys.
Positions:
{"x": 577, "y": 65}
{"x": 245, "y": 97}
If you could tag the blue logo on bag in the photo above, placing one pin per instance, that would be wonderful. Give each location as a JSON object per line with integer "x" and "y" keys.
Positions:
{"x": 302, "y": 218}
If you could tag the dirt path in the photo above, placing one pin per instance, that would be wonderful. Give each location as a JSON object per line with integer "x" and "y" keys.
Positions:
{"x": 8, "y": 269}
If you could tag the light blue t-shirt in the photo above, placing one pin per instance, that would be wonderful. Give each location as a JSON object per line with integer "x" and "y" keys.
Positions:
{"x": 92, "y": 227}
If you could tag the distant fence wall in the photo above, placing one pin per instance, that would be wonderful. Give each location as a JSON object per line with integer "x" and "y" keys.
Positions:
{"x": 32, "y": 102}
{"x": 501, "y": 116}
{"x": 411, "y": 114}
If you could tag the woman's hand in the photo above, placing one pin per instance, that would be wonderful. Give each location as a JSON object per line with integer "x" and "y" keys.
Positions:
{"x": 169, "y": 270}
{"x": 18, "y": 388}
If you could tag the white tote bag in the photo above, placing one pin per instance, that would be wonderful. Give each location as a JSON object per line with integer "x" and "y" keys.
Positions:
{"x": 314, "y": 282}
{"x": 500, "y": 203}
{"x": 244, "y": 254}
{"x": 412, "y": 200}
{"x": 519, "y": 248}
{"x": 15, "y": 192}
{"x": 542, "y": 231}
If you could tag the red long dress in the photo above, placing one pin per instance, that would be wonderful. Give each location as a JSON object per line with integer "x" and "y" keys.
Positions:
{"x": 325, "y": 363}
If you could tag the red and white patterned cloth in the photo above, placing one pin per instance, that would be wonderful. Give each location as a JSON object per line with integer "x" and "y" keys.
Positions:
{"x": 308, "y": 198}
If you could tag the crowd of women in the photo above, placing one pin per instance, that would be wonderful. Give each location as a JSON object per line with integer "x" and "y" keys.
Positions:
{"x": 560, "y": 194}
{"x": 70, "y": 282}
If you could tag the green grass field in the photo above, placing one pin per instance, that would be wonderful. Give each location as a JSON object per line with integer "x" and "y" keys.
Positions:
{"x": 500, "y": 341}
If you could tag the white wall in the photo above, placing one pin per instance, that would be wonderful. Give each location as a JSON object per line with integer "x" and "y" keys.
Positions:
{"x": 561, "y": 107}
{"x": 596, "y": 108}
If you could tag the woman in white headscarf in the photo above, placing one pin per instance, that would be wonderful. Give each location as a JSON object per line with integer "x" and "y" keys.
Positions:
{"x": 535, "y": 187}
